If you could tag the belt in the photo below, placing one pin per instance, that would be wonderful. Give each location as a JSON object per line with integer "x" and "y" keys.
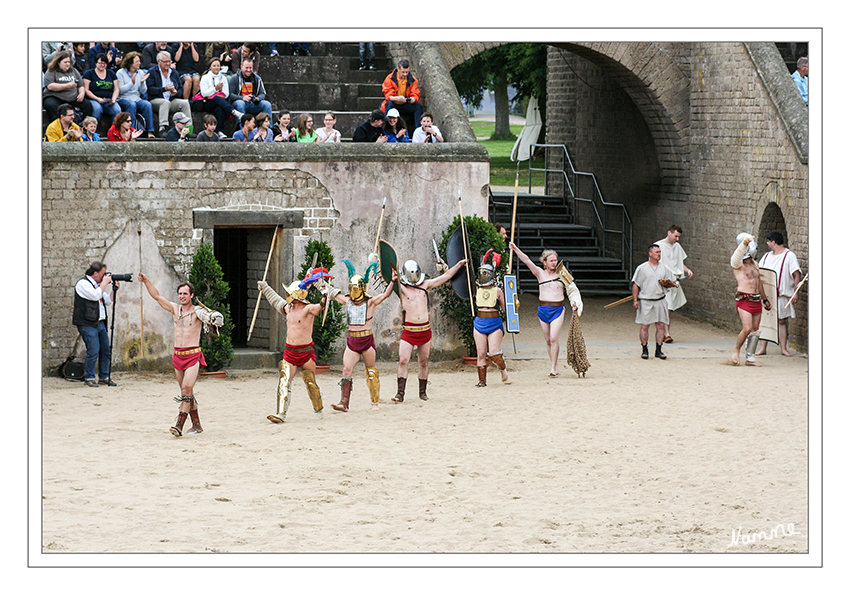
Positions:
{"x": 304, "y": 349}
{"x": 365, "y": 333}
{"x": 750, "y": 297}
{"x": 652, "y": 299}
{"x": 542, "y": 303}
{"x": 186, "y": 350}
{"x": 418, "y": 328}
{"x": 488, "y": 314}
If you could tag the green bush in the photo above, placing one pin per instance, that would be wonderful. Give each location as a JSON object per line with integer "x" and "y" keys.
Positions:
{"x": 211, "y": 289}
{"x": 324, "y": 337}
{"x": 482, "y": 237}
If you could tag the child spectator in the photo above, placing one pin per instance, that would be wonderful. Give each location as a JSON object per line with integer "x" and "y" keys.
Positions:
{"x": 262, "y": 133}
{"x": 180, "y": 131}
{"x": 214, "y": 91}
{"x": 427, "y": 132}
{"x": 90, "y": 130}
{"x": 283, "y": 131}
{"x": 246, "y": 133}
{"x": 329, "y": 134}
{"x": 305, "y": 132}
{"x": 209, "y": 133}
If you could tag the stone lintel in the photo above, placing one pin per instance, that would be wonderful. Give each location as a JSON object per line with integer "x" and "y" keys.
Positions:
{"x": 211, "y": 218}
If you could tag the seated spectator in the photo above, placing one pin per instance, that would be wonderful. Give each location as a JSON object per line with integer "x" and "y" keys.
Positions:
{"x": 801, "y": 78}
{"x": 186, "y": 61}
{"x": 90, "y": 130}
{"x": 122, "y": 130}
{"x": 214, "y": 92}
{"x": 132, "y": 86}
{"x": 283, "y": 131}
{"x": 112, "y": 53}
{"x": 427, "y": 132}
{"x": 329, "y": 134}
{"x": 300, "y": 49}
{"x": 371, "y": 131}
{"x": 246, "y": 51}
{"x": 305, "y": 132}
{"x": 394, "y": 128}
{"x": 63, "y": 85}
{"x": 401, "y": 91}
{"x": 262, "y": 133}
{"x": 180, "y": 131}
{"x": 247, "y": 93}
{"x": 49, "y": 49}
{"x": 63, "y": 129}
{"x": 209, "y": 133}
{"x": 165, "y": 92}
{"x": 220, "y": 50}
{"x": 80, "y": 58}
{"x": 102, "y": 89}
{"x": 150, "y": 51}
{"x": 246, "y": 133}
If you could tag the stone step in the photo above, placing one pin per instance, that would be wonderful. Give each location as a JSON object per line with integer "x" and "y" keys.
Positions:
{"x": 247, "y": 358}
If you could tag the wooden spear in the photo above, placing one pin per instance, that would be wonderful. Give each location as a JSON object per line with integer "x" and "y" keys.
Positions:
{"x": 141, "y": 296}
{"x": 799, "y": 285}
{"x": 466, "y": 256}
{"x": 260, "y": 294}
{"x": 513, "y": 220}
{"x": 618, "y": 302}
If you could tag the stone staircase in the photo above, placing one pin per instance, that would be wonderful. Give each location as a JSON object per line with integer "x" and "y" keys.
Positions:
{"x": 547, "y": 221}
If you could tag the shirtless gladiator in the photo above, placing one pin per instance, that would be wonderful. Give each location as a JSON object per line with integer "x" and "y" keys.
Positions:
{"x": 188, "y": 357}
{"x": 299, "y": 352}
{"x": 748, "y": 299}
{"x": 417, "y": 326}
{"x": 361, "y": 342}
{"x": 550, "y": 312}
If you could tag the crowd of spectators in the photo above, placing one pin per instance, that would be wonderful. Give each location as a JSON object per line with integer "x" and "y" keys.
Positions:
{"x": 141, "y": 92}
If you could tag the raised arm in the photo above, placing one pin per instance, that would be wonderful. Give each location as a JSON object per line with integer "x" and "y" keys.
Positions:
{"x": 154, "y": 293}
{"x": 437, "y": 281}
{"x": 535, "y": 270}
{"x": 737, "y": 259}
{"x": 387, "y": 292}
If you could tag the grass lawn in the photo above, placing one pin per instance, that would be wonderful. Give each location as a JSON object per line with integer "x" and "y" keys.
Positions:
{"x": 502, "y": 169}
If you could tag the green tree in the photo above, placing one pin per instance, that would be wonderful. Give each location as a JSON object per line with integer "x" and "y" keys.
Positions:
{"x": 324, "y": 336}
{"x": 211, "y": 289}
{"x": 520, "y": 65}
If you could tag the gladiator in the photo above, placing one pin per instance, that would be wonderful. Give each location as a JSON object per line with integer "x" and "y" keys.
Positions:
{"x": 488, "y": 329}
{"x": 748, "y": 297}
{"x": 298, "y": 353}
{"x": 360, "y": 307}
{"x": 413, "y": 289}
{"x": 187, "y": 358}
{"x": 553, "y": 289}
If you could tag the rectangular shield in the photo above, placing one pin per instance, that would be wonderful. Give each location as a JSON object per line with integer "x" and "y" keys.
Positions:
{"x": 511, "y": 310}
{"x": 769, "y": 326}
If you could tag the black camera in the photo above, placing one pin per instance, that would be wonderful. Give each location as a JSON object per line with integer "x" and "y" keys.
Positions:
{"x": 122, "y": 277}
{"x": 255, "y": 100}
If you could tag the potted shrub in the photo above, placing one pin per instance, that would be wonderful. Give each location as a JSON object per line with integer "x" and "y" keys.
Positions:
{"x": 325, "y": 337}
{"x": 211, "y": 289}
{"x": 482, "y": 236}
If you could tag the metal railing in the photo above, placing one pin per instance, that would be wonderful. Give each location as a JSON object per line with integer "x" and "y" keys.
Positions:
{"x": 610, "y": 221}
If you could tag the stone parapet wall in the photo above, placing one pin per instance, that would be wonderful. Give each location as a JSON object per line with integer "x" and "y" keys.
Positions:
{"x": 134, "y": 203}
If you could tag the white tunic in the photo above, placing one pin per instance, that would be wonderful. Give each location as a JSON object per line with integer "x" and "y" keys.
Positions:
{"x": 653, "y": 305}
{"x": 673, "y": 255}
{"x": 785, "y": 265}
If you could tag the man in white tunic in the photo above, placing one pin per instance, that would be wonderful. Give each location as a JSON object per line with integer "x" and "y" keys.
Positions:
{"x": 788, "y": 276}
{"x": 673, "y": 256}
{"x": 649, "y": 285}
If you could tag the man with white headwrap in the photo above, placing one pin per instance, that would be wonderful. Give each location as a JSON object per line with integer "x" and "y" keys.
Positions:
{"x": 748, "y": 298}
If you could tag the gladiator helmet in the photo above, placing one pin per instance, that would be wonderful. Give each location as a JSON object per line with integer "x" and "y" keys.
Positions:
{"x": 487, "y": 270}
{"x": 295, "y": 293}
{"x": 411, "y": 274}
{"x": 752, "y": 248}
{"x": 357, "y": 284}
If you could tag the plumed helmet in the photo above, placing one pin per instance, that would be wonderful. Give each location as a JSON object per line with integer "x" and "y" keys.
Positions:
{"x": 487, "y": 270}
{"x": 752, "y": 247}
{"x": 357, "y": 287}
{"x": 295, "y": 293}
{"x": 411, "y": 274}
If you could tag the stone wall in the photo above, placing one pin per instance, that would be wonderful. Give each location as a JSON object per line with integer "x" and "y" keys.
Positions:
{"x": 97, "y": 198}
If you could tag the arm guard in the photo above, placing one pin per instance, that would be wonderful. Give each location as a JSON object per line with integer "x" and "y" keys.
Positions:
{"x": 574, "y": 296}
{"x": 275, "y": 300}
{"x": 737, "y": 259}
{"x": 208, "y": 316}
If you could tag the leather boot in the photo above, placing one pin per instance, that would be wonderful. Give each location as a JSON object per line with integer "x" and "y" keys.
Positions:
{"x": 196, "y": 422}
{"x": 399, "y": 397}
{"x": 658, "y": 353}
{"x": 177, "y": 428}
{"x": 423, "y": 386}
{"x": 644, "y": 352}
{"x": 482, "y": 376}
{"x": 345, "y": 392}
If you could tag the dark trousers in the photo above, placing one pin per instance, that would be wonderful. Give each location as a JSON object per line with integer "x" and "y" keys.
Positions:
{"x": 217, "y": 106}
{"x": 51, "y": 105}
{"x": 98, "y": 350}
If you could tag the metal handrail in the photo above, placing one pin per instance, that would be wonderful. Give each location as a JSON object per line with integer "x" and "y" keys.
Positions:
{"x": 597, "y": 202}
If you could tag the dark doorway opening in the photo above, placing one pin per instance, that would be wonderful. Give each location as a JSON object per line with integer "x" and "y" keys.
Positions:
{"x": 231, "y": 250}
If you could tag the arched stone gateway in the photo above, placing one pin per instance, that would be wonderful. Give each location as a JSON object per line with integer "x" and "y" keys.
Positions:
{"x": 688, "y": 133}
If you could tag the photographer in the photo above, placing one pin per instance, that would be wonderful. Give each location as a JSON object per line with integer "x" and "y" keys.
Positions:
{"x": 247, "y": 93}
{"x": 91, "y": 296}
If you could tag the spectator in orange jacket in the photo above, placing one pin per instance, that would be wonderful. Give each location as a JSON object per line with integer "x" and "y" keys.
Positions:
{"x": 401, "y": 91}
